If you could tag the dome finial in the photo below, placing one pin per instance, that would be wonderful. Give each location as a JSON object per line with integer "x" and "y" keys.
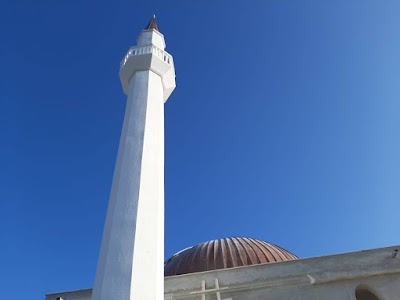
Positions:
{"x": 152, "y": 24}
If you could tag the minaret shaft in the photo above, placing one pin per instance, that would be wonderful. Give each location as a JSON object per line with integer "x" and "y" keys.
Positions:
{"x": 131, "y": 261}
{"x": 149, "y": 236}
{"x": 131, "y": 257}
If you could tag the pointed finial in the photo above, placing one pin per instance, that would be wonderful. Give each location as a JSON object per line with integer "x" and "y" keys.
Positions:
{"x": 153, "y": 24}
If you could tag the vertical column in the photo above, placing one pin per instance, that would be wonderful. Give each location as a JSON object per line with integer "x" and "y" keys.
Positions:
{"x": 131, "y": 256}
{"x": 148, "y": 261}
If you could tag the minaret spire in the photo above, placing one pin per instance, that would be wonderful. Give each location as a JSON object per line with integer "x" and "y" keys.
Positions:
{"x": 153, "y": 24}
{"x": 131, "y": 260}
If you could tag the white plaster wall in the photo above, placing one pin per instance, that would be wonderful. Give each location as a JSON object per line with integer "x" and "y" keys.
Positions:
{"x": 133, "y": 238}
{"x": 148, "y": 264}
{"x": 153, "y": 37}
{"x": 386, "y": 287}
{"x": 333, "y": 277}
{"x": 320, "y": 278}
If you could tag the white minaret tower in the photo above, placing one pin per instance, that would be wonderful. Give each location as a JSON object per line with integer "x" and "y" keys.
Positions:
{"x": 131, "y": 261}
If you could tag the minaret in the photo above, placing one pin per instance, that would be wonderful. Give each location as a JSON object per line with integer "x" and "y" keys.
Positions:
{"x": 131, "y": 261}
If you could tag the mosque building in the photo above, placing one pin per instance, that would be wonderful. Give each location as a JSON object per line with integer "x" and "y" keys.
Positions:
{"x": 131, "y": 262}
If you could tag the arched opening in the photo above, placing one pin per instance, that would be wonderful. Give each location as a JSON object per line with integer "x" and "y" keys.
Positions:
{"x": 364, "y": 294}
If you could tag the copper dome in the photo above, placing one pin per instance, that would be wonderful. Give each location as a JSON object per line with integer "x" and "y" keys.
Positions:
{"x": 223, "y": 254}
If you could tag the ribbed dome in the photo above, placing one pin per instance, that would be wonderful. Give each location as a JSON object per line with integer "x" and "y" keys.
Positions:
{"x": 223, "y": 254}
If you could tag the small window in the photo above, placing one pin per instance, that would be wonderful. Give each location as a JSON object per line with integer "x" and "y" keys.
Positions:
{"x": 364, "y": 294}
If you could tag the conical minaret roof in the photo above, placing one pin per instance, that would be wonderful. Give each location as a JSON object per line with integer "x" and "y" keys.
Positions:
{"x": 153, "y": 24}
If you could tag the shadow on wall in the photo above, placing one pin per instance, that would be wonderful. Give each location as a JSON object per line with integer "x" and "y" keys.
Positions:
{"x": 363, "y": 293}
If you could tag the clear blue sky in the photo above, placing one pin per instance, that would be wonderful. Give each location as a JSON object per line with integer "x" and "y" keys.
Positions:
{"x": 284, "y": 126}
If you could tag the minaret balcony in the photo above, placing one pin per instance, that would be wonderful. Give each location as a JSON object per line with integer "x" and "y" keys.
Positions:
{"x": 148, "y": 57}
{"x": 147, "y": 49}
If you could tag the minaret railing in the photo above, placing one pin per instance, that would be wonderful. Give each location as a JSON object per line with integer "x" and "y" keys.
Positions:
{"x": 148, "y": 49}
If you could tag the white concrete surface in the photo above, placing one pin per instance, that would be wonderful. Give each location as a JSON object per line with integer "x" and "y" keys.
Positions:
{"x": 131, "y": 257}
{"x": 333, "y": 277}
{"x": 149, "y": 54}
